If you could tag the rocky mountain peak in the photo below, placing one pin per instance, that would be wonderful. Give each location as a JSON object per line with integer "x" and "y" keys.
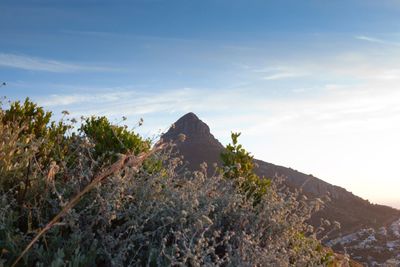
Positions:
{"x": 199, "y": 145}
{"x": 189, "y": 125}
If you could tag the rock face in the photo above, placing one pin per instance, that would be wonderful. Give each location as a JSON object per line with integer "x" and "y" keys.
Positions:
{"x": 353, "y": 213}
{"x": 199, "y": 145}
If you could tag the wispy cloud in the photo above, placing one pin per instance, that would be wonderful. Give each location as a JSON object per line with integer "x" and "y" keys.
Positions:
{"x": 375, "y": 40}
{"x": 282, "y": 75}
{"x": 279, "y": 73}
{"x": 116, "y": 102}
{"x": 48, "y": 65}
{"x": 85, "y": 98}
{"x": 342, "y": 105}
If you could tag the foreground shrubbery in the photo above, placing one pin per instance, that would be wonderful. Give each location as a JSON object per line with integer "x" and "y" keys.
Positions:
{"x": 137, "y": 214}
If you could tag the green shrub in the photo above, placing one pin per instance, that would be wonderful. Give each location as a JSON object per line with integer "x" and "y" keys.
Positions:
{"x": 112, "y": 139}
{"x": 33, "y": 122}
{"x": 239, "y": 166}
{"x": 30, "y": 143}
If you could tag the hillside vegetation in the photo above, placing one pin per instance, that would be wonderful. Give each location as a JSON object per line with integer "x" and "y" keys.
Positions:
{"x": 92, "y": 193}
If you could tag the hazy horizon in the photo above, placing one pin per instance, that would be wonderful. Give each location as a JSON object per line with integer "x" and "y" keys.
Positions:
{"x": 311, "y": 85}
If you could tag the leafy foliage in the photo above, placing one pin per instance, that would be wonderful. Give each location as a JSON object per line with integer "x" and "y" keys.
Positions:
{"x": 33, "y": 122}
{"x": 111, "y": 139}
{"x": 239, "y": 165}
{"x": 31, "y": 142}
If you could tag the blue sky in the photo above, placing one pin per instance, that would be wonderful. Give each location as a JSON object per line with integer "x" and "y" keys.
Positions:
{"x": 313, "y": 85}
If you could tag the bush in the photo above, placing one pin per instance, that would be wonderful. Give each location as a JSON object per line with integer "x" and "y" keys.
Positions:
{"x": 112, "y": 139}
{"x": 131, "y": 218}
{"x": 30, "y": 143}
{"x": 34, "y": 123}
{"x": 239, "y": 165}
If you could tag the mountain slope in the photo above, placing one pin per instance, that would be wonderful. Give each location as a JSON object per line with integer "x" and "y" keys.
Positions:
{"x": 350, "y": 210}
{"x": 353, "y": 212}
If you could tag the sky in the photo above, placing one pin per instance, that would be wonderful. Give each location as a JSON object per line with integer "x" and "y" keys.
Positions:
{"x": 311, "y": 84}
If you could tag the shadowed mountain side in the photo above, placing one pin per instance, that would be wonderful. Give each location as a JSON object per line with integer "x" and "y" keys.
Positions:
{"x": 199, "y": 145}
{"x": 351, "y": 211}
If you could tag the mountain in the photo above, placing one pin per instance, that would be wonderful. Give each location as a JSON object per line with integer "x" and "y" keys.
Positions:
{"x": 199, "y": 145}
{"x": 356, "y": 215}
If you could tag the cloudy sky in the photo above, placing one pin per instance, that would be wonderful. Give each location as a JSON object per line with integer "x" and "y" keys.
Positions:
{"x": 311, "y": 84}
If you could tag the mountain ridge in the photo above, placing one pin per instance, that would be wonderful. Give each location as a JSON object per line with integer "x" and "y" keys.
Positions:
{"x": 198, "y": 132}
{"x": 353, "y": 212}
